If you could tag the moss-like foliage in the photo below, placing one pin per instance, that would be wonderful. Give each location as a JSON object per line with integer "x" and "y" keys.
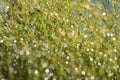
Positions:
{"x": 60, "y": 40}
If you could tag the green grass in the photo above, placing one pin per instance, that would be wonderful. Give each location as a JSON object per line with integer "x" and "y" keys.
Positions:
{"x": 59, "y": 40}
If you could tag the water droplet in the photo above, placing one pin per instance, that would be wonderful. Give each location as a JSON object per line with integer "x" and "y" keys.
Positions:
{"x": 76, "y": 69}
{"x": 72, "y": 26}
{"x": 85, "y": 36}
{"x": 83, "y": 72}
{"x": 105, "y": 55}
{"x": 91, "y": 59}
{"x": 108, "y": 34}
{"x": 92, "y": 50}
{"x": 113, "y": 38}
{"x": 63, "y": 19}
{"x": 115, "y": 50}
{"x": 21, "y": 39}
{"x": 51, "y": 14}
{"x": 67, "y": 20}
{"x": 92, "y": 43}
{"x": 110, "y": 59}
{"x": 7, "y": 7}
{"x": 111, "y": 35}
{"x": 35, "y": 45}
{"x": 36, "y": 71}
{"x": 47, "y": 3}
{"x": 100, "y": 53}
{"x": 46, "y": 70}
{"x": 104, "y": 13}
{"x": 1, "y": 41}
{"x": 88, "y": 49}
{"x": 15, "y": 41}
{"x": 66, "y": 62}
{"x": 99, "y": 63}
{"x": 68, "y": 57}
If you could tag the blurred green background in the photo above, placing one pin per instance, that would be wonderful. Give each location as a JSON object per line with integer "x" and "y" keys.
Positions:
{"x": 59, "y": 39}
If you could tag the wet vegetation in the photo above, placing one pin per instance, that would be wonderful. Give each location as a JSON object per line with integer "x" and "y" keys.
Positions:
{"x": 60, "y": 40}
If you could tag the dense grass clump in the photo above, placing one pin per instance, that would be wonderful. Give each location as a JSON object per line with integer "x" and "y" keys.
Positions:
{"x": 60, "y": 40}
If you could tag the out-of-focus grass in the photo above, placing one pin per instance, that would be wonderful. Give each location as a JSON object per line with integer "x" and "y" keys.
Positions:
{"x": 59, "y": 40}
